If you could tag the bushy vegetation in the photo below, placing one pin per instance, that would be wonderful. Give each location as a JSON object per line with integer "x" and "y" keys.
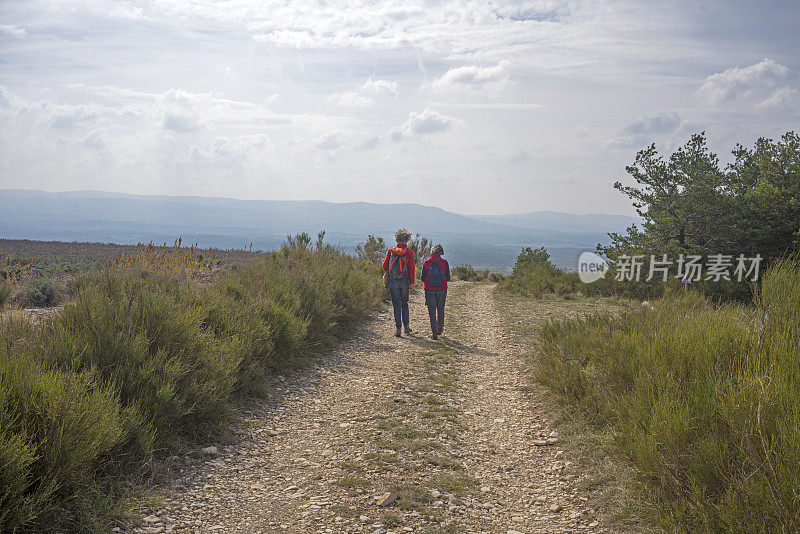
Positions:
{"x": 703, "y": 399}
{"x": 41, "y": 273}
{"x": 5, "y": 291}
{"x": 468, "y": 274}
{"x": 534, "y": 275}
{"x": 373, "y": 250}
{"x": 40, "y": 292}
{"x": 139, "y": 361}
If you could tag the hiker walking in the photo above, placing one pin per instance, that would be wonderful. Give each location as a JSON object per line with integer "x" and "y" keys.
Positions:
{"x": 435, "y": 275}
{"x": 399, "y": 266}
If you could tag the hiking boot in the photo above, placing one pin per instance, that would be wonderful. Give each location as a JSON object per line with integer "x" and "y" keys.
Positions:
{"x": 439, "y": 332}
{"x": 407, "y": 329}
{"x": 433, "y": 336}
{"x": 397, "y": 332}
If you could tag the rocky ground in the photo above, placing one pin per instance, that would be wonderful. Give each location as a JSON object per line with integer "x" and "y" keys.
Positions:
{"x": 391, "y": 435}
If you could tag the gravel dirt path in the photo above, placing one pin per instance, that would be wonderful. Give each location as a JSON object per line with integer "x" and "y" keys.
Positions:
{"x": 390, "y": 435}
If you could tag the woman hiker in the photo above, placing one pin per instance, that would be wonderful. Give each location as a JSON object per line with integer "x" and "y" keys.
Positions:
{"x": 435, "y": 275}
{"x": 399, "y": 266}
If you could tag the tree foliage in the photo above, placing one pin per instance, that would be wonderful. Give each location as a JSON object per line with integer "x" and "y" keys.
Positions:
{"x": 689, "y": 205}
{"x": 373, "y": 250}
{"x": 529, "y": 257}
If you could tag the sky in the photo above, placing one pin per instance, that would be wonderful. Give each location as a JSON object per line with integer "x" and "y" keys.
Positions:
{"x": 478, "y": 107}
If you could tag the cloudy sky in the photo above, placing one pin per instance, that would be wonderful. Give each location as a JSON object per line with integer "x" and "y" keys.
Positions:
{"x": 474, "y": 106}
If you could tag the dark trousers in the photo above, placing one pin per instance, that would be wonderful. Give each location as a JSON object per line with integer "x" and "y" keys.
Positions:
{"x": 398, "y": 290}
{"x": 434, "y": 300}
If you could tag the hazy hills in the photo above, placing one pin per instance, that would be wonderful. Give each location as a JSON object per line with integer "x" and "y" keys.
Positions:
{"x": 486, "y": 241}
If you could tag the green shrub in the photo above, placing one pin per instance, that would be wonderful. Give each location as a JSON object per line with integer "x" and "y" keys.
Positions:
{"x": 137, "y": 362}
{"x": 468, "y": 274}
{"x": 40, "y": 293}
{"x": 146, "y": 335}
{"x": 5, "y": 292}
{"x": 703, "y": 399}
{"x": 57, "y": 429}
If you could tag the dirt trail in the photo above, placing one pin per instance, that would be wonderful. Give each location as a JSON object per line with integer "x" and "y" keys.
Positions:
{"x": 446, "y": 426}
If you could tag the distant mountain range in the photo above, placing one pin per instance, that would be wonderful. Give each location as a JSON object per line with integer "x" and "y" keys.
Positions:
{"x": 490, "y": 241}
{"x": 564, "y": 222}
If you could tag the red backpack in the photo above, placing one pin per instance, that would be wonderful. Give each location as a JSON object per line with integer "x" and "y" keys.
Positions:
{"x": 398, "y": 265}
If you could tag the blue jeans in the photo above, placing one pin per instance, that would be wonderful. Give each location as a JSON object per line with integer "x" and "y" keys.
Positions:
{"x": 398, "y": 290}
{"x": 434, "y": 299}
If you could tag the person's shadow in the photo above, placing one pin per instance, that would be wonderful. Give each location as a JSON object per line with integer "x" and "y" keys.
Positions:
{"x": 457, "y": 346}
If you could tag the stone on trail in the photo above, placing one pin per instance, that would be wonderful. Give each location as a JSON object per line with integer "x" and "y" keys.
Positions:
{"x": 387, "y": 499}
{"x": 211, "y": 451}
{"x": 555, "y": 508}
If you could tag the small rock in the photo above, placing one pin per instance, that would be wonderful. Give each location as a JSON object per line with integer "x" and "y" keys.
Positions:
{"x": 555, "y": 508}
{"x": 387, "y": 499}
{"x": 151, "y": 519}
{"x": 211, "y": 451}
{"x": 436, "y": 494}
{"x": 364, "y": 519}
{"x": 486, "y": 489}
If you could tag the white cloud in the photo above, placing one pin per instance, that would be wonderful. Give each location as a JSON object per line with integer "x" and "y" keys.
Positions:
{"x": 654, "y": 123}
{"x": 329, "y": 141}
{"x": 334, "y": 144}
{"x": 127, "y": 11}
{"x": 782, "y": 99}
{"x": 94, "y": 140}
{"x": 521, "y": 156}
{"x": 180, "y": 122}
{"x": 379, "y": 87}
{"x": 424, "y": 123}
{"x": 365, "y": 95}
{"x": 474, "y": 78}
{"x": 10, "y": 29}
{"x": 742, "y": 82}
{"x": 509, "y": 106}
{"x": 647, "y": 129}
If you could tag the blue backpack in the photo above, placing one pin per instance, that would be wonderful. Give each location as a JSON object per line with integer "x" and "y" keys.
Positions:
{"x": 435, "y": 276}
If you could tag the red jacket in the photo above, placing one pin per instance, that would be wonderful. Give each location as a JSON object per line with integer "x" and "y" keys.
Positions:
{"x": 402, "y": 249}
{"x": 426, "y": 266}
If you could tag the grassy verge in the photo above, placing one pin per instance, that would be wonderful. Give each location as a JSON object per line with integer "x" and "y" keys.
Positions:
{"x": 700, "y": 398}
{"x": 138, "y": 361}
